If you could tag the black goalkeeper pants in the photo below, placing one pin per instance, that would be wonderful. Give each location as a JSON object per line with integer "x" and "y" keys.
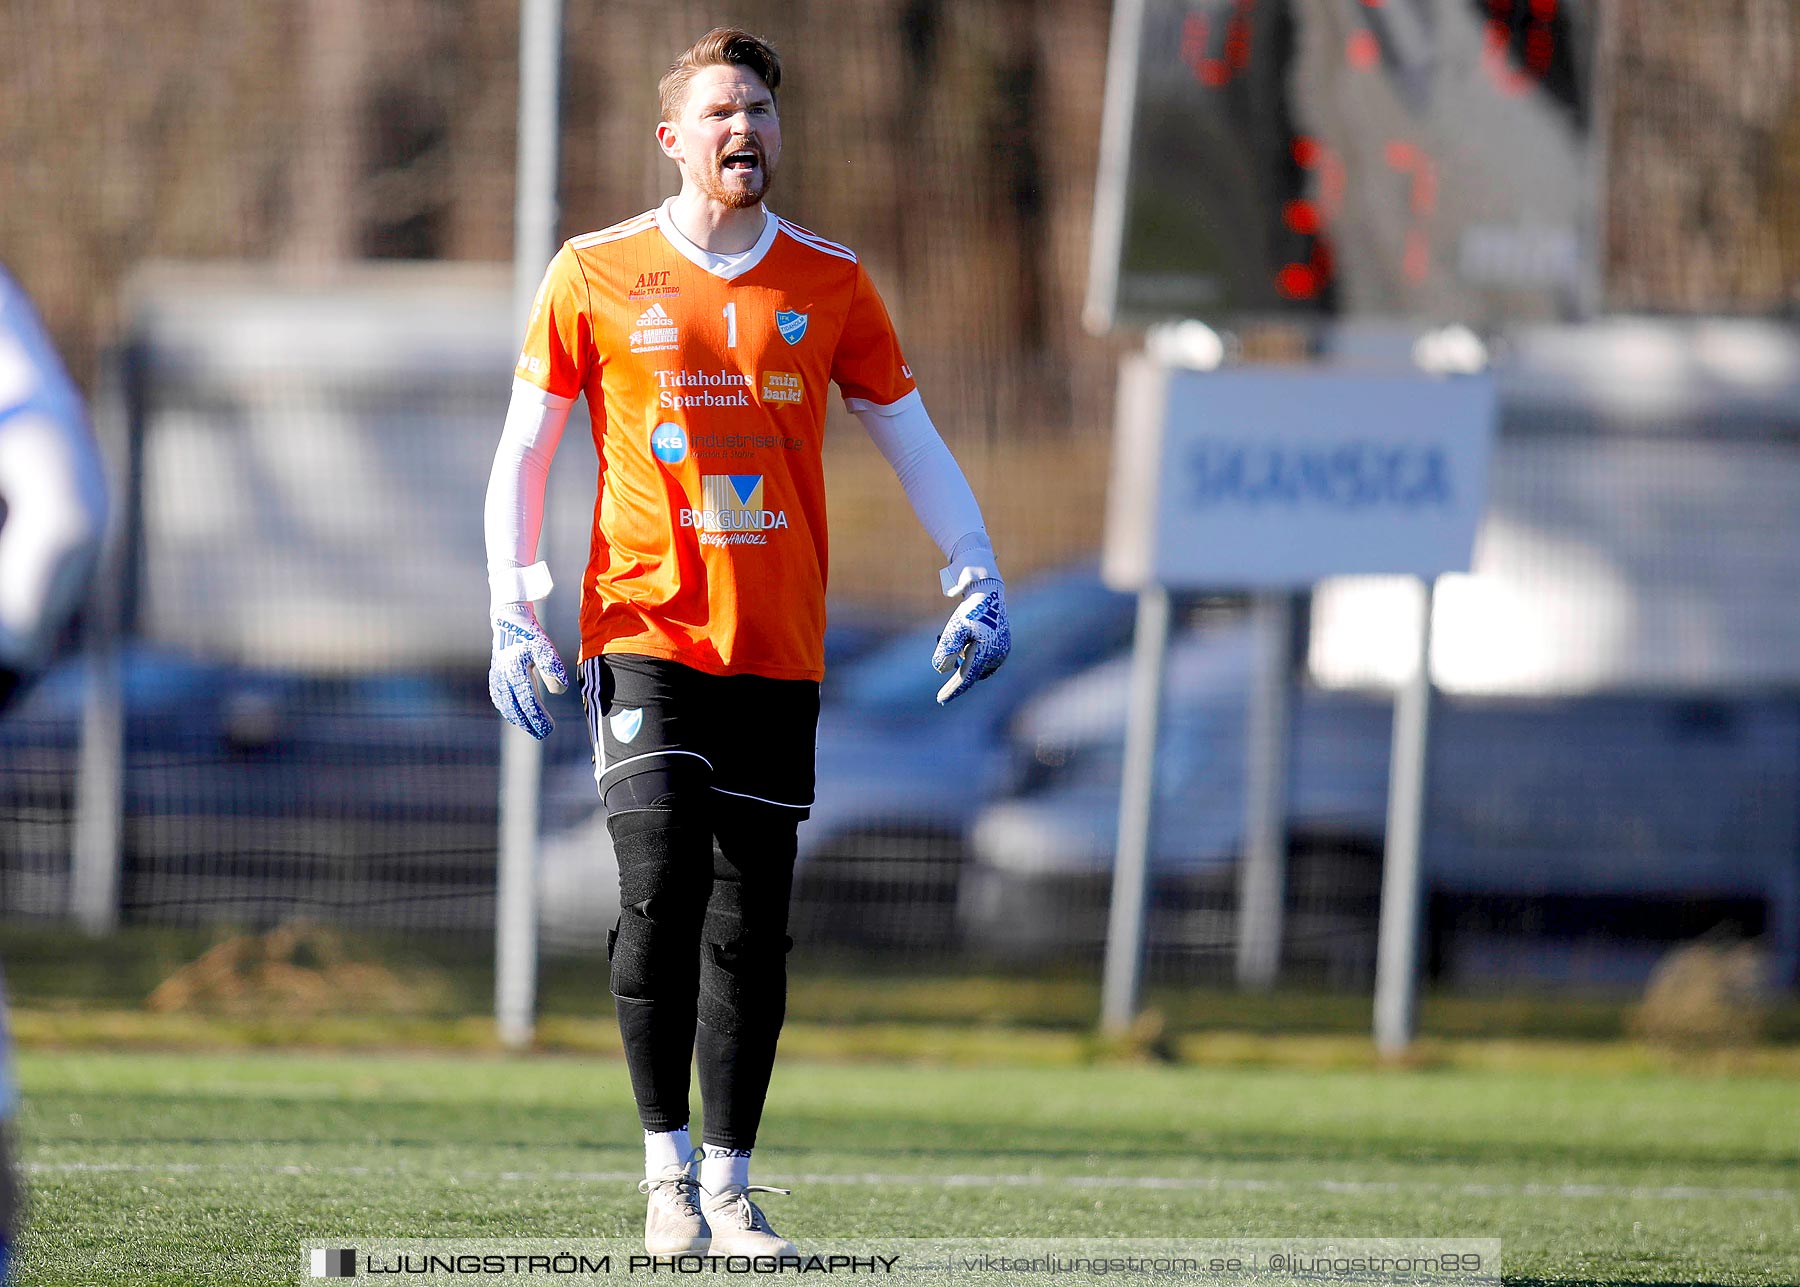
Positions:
{"x": 706, "y": 780}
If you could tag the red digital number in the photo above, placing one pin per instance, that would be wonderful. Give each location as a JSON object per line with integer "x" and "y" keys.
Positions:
{"x": 1362, "y": 50}
{"x": 1312, "y": 217}
{"x": 1421, "y": 200}
{"x": 1215, "y": 71}
{"x": 1497, "y": 42}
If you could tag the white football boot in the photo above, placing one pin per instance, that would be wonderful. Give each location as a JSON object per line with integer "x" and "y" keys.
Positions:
{"x": 739, "y": 1228}
{"x": 673, "y": 1223}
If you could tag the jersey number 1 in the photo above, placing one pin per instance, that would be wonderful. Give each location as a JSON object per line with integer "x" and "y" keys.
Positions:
{"x": 731, "y": 325}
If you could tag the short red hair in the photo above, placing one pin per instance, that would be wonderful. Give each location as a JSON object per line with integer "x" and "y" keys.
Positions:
{"x": 720, "y": 47}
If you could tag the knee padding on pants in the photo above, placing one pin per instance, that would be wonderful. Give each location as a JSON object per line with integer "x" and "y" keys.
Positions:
{"x": 662, "y": 854}
{"x": 665, "y": 875}
{"x": 743, "y": 983}
{"x": 753, "y": 874}
{"x": 743, "y": 961}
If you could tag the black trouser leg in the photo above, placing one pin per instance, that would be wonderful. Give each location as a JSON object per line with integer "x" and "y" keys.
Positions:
{"x": 665, "y": 874}
{"x": 743, "y": 966}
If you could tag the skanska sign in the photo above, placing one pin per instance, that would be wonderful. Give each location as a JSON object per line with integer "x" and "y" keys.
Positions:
{"x": 1266, "y": 479}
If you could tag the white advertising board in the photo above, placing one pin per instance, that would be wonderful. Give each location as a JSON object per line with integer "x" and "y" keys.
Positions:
{"x": 1271, "y": 479}
{"x": 315, "y": 459}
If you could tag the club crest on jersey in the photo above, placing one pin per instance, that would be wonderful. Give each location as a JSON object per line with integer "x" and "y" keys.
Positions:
{"x": 626, "y": 723}
{"x": 791, "y": 325}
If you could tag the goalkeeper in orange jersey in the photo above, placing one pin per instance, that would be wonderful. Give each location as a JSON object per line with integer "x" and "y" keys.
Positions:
{"x": 705, "y": 334}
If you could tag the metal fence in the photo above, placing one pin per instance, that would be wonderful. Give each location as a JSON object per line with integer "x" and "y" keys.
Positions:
{"x": 303, "y": 733}
{"x": 302, "y": 447}
{"x": 1616, "y": 765}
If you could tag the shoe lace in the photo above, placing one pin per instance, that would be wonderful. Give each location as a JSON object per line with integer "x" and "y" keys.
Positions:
{"x": 749, "y": 1215}
{"x": 678, "y": 1184}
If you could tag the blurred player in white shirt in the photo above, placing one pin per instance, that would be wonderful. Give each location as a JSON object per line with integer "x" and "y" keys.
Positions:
{"x": 52, "y": 516}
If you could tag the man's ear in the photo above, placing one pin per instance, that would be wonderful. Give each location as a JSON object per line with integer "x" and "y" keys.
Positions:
{"x": 668, "y": 138}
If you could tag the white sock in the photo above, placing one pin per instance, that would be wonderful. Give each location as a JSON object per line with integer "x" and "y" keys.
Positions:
{"x": 663, "y": 1149}
{"x": 723, "y": 1168}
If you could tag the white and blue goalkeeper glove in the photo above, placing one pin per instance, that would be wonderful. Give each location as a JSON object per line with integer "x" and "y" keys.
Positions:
{"x": 520, "y": 648}
{"x": 975, "y": 641}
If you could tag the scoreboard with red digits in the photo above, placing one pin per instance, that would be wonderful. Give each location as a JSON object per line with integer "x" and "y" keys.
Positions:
{"x": 1420, "y": 159}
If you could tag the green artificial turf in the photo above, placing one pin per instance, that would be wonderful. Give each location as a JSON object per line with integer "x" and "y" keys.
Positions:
{"x": 213, "y": 1167}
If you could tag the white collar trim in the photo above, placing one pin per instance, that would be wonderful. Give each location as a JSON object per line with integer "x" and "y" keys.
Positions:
{"x": 725, "y": 266}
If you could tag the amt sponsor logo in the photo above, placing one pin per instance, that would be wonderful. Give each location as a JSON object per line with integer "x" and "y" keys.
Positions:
{"x": 1346, "y": 476}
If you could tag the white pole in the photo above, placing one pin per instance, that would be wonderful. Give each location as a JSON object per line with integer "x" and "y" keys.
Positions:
{"x": 97, "y": 846}
{"x": 100, "y": 782}
{"x": 1113, "y": 180}
{"x": 1397, "y": 950}
{"x": 1263, "y": 875}
{"x": 1123, "y": 978}
{"x": 521, "y": 759}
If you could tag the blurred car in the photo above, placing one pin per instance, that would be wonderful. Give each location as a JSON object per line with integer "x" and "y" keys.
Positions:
{"x": 255, "y": 795}
{"x": 899, "y": 779}
{"x": 854, "y": 632}
{"x": 1611, "y": 814}
{"x": 1040, "y": 870}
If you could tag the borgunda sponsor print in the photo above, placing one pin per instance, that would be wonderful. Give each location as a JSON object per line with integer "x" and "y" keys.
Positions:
{"x": 732, "y": 511}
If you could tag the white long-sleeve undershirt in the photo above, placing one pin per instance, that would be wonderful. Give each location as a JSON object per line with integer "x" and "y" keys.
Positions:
{"x": 513, "y": 517}
{"x": 935, "y": 486}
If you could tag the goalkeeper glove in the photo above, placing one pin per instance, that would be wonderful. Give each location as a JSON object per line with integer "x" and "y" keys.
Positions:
{"x": 975, "y": 641}
{"x": 520, "y": 647}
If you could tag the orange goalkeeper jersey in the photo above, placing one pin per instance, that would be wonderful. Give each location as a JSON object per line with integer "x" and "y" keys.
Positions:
{"x": 706, "y": 388}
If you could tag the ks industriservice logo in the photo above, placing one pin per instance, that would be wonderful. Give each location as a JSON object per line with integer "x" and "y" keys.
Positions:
{"x": 669, "y": 443}
{"x": 791, "y": 325}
